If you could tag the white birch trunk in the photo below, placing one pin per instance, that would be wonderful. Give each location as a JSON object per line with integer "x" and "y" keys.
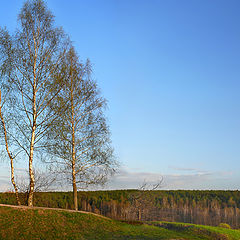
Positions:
{"x": 9, "y": 154}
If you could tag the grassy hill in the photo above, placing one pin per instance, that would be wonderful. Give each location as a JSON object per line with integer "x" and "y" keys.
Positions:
{"x": 198, "y": 207}
{"x": 37, "y": 223}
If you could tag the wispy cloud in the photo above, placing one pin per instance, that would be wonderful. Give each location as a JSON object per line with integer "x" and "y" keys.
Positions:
{"x": 126, "y": 179}
{"x": 190, "y": 170}
{"x": 186, "y": 178}
{"x": 192, "y": 179}
{"x": 184, "y": 169}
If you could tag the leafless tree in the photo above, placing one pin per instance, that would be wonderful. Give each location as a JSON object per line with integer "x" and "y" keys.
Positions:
{"x": 139, "y": 199}
{"x": 44, "y": 181}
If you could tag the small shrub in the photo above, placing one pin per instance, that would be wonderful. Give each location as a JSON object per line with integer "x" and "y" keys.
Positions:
{"x": 224, "y": 225}
{"x": 133, "y": 222}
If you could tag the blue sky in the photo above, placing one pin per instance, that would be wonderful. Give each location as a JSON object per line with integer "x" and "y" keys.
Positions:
{"x": 170, "y": 71}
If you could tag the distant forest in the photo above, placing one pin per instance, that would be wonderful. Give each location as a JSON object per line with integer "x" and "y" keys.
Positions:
{"x": 200, "y": 207}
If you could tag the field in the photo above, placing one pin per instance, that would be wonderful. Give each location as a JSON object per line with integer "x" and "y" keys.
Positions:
{"x": 40, "y": 223}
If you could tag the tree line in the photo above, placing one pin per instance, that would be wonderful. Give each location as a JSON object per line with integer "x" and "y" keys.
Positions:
{"x": 51, "y": 109}
{"x": 200, "y": 207}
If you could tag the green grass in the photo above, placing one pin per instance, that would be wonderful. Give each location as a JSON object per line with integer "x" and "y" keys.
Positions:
{"x": 210, "y": 231}
{"x": 53, "y": 224}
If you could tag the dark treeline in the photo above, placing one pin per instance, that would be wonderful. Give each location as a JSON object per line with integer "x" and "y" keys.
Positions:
{"x": 200, "y": 207}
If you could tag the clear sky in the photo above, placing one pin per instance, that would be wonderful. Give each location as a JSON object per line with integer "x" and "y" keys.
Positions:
{"x": 170, "y": 71}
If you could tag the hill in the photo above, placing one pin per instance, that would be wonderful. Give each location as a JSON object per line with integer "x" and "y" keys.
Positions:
{"x": 41, "y": 223}
{"x": 198, "y": 207}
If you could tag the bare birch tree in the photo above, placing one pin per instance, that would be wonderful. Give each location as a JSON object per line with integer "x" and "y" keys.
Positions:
{"x": 34, "y": 55}
{"x": 81, "y": 136}
{"x": 4, "y": 100}
{"x": 11, "y": 157}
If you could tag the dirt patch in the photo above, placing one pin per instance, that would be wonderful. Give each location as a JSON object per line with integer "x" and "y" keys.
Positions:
{"x": 133, "y": 222}
{"x": 45, "y": 208}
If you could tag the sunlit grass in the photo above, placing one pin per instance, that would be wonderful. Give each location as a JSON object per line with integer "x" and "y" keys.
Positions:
{"x": 53, "y": 224}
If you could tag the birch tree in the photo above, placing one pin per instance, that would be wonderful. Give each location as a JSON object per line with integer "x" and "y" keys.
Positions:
{"x": 11, "y": 157}
{"x": 81, "y": 137}
{"x": 34, "y": 55}
{"x": 5, "y": 99}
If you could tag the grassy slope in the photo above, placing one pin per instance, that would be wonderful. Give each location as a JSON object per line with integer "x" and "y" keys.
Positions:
{"x": 53, "y": 224}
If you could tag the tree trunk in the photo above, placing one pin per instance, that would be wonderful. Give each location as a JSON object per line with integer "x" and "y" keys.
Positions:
{"x": 34, "y": 124}
{"x": 14, "y": 184}
{"x": 31, "y": 173}
{"x": 139, "y": 214}
{"x": 75, "y": 199}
